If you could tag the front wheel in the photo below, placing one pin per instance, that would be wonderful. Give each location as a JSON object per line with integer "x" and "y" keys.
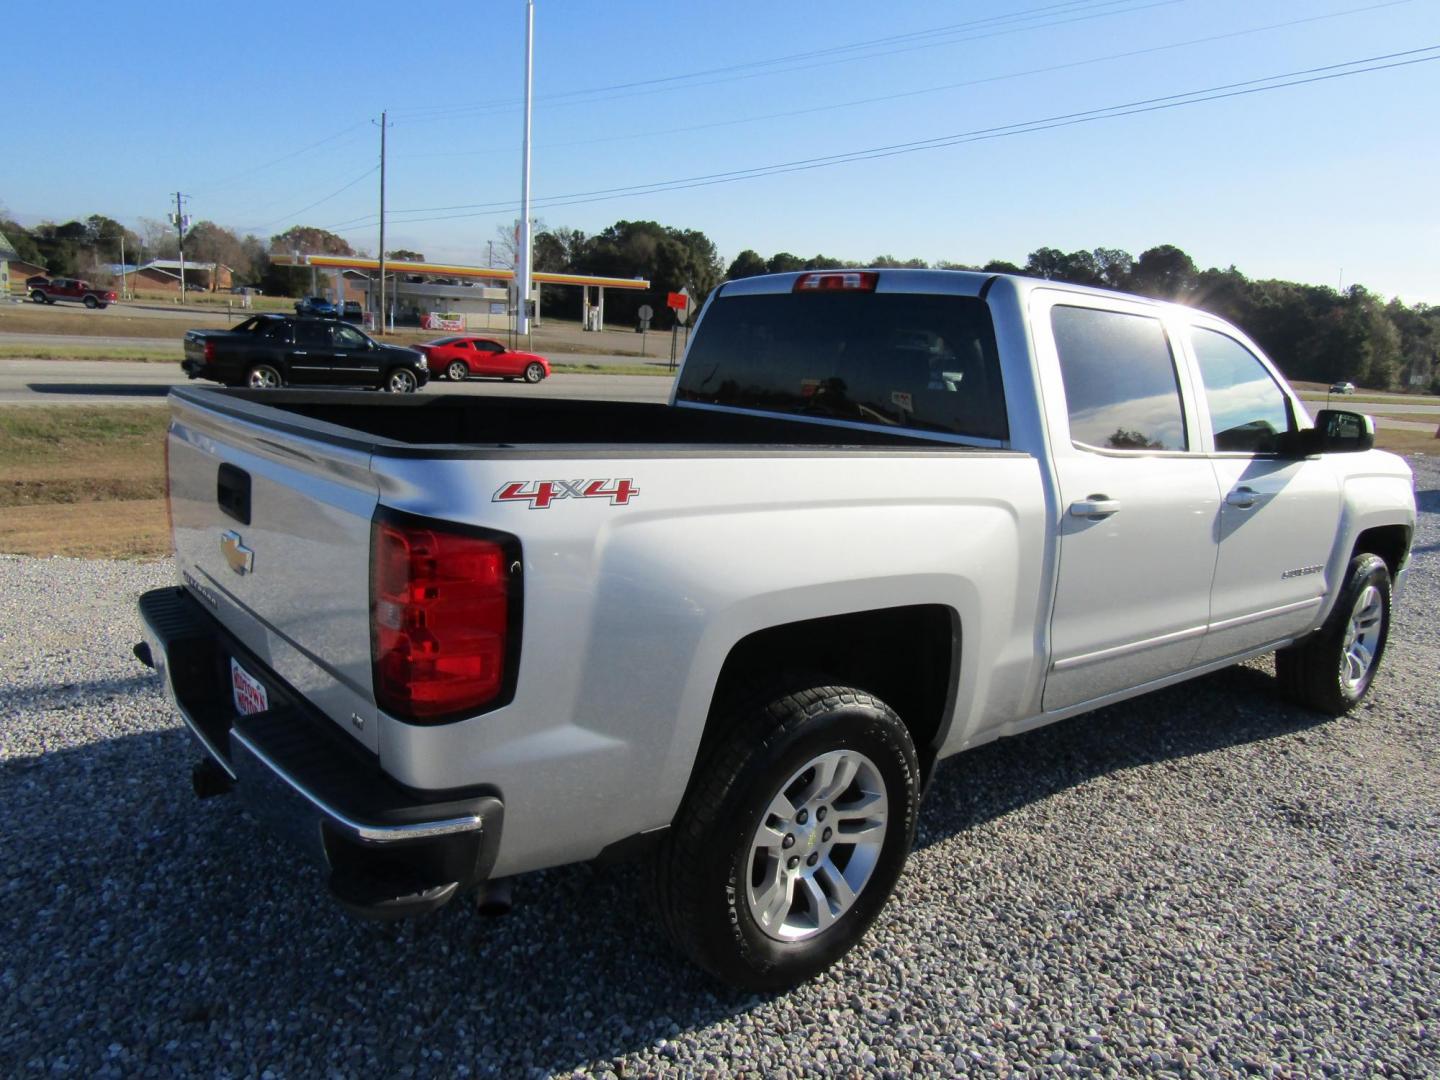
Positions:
{"x": 264, "y": 377}
{"x": 401, "y": 381}
{"x": 791, "y": 837}
{"x": 534, "y": 372}
{"x": 39, "y": 297}
{"x": 1331, "y": 670}
{"x": 457, "y": 371}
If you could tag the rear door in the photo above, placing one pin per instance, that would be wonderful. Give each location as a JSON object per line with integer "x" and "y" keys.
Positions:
{"x": 308, "y": 352}
{"x": 1139, "y": 497}
{"x": 1278, "y": 518}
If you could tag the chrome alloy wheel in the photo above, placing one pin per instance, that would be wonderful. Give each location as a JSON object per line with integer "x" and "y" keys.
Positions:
{"x": 1362, "y": 638}
{"x": 264, "y": 378}
{"x": 401, "y": 381}
{"x": 817, "y": 845}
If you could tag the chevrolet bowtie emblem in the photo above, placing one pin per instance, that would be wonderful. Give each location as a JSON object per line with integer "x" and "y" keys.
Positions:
{"x": 240, "y": 558}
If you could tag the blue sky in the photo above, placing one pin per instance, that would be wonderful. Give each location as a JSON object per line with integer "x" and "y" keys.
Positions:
{"x": 262, "y": 111}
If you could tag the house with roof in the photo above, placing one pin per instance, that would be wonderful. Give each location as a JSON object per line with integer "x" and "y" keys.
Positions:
{"x": 164, "y": 275}
{"x": 8, "y": 254}
{"x": 14, "y": 270}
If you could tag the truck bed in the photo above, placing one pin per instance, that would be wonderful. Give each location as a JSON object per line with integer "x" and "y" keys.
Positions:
{"x": 464, "y": 425}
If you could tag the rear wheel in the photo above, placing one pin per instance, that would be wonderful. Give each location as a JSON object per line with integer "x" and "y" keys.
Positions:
{"x": 791, "y": 837}
{"x": 457, "y": 371}
{"x": 401, "y": 381}
{"x": 264, "y": 377}
{"x": 91, "y": 303}
{"x": 534, "y": 372}
{"x": 1331, "y": 670}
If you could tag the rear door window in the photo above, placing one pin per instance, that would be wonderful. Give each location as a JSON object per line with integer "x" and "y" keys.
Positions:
{"x": 894, "y": 359}
{"x": 312, "y": 334}
{"x": 1121, "y": 385}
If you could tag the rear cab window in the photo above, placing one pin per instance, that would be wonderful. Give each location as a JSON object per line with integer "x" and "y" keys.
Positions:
{"x": 926, "y": 362}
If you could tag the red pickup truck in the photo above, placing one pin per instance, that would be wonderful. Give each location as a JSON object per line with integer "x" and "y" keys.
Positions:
{"x": 72, "y": 289}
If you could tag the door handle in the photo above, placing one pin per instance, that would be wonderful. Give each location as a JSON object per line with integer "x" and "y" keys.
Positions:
{"x": 1243, "y": 497}
{"x": 1094, "y": 508}
{"x": 297, "y": 352}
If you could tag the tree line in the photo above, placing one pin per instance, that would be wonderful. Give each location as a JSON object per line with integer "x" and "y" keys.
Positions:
{"x": 1313, "y": 332}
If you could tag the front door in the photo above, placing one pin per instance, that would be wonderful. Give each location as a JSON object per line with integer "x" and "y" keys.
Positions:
{"x": 355, "y": 361}
{"x": 1138, "y": 500}
{"x": 1278, "y": 518}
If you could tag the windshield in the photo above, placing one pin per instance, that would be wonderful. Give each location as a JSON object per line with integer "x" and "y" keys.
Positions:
{"x": 894, "y": 359}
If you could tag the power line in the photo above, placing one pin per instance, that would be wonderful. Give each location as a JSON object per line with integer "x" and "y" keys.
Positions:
{"x": 338, "y": 191}
{"x": 602, "y": 94}
{"x": 1170, "y": 101}
{"x": 863, "y": 44}
{"x": 283, "y": 157}
{"x": 1128, "y": 54}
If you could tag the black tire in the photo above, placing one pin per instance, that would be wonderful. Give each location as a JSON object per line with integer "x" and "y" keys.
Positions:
{"x": 534, "y": 372}
{"x": 707, "y": 865}
{"x": 1314, "y": 671}
{"x": 264, "y": 377}
{"x": 91, "y": 303}
{"x": 39, "y": 297}
{"x": 457, "y": 371}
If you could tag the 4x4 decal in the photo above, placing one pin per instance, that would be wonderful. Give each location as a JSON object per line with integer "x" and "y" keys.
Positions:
{"x": 541, "y": 493}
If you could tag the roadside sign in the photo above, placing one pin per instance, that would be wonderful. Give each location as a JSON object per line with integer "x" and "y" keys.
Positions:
{"x": 646, "y": 312}
{"x": 677, "y": 300}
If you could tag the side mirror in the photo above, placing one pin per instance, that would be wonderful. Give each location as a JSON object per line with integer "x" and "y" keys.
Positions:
{"x": 1336, "y": 431}
{"x": 1339, "y": 431}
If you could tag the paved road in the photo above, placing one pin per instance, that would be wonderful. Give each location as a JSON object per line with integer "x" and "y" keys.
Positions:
{"x": 114, "y": 382}
{"x": 90, "y": 341}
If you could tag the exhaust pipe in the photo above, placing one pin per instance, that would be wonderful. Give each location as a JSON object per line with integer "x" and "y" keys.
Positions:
{"x": 496, "y": 897}
{"x": 209, "y": 779}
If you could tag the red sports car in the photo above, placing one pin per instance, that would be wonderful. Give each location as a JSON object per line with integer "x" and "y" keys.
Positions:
{"x": 458, "y": 358}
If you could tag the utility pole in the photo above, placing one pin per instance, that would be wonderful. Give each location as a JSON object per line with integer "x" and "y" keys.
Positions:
{"x": 490, "y": 257}
{"x": 381, "y": 323}
{"x": 181, "y": 224}
{"x": 522, "y": 322}
{"x": 123, "y": 289}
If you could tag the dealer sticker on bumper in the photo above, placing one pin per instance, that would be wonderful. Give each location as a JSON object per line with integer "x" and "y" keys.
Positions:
{"x": 248, "y": 691}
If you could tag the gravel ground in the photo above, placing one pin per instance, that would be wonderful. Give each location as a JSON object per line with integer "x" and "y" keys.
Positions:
{"x": 1205, "y": 882}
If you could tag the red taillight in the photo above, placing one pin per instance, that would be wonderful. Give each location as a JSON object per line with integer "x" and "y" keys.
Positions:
{"x": 837, "y": 281}
{"x": 209, "y": 352}
{"x": 442, "y": 619}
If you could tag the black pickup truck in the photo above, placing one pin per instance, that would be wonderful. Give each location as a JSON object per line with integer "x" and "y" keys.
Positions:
{"x": 269, "y": 351}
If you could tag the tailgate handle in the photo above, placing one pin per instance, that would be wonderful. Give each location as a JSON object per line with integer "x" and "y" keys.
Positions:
{"x": 232, "y": 492}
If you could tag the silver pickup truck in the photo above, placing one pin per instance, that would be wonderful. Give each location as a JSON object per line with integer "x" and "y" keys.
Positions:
{"x": 887, "y": 516}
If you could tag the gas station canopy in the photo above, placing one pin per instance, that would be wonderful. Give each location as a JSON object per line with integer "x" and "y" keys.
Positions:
{"x": 492, "y": 273}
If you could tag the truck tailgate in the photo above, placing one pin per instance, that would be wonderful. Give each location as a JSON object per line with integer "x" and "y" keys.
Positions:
{"x": 272, "y": 533}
